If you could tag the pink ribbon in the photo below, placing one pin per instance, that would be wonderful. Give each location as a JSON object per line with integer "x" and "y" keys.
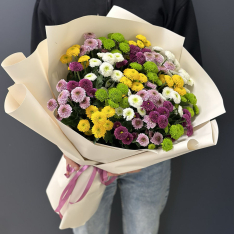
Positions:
{"x": 71, "y": 185}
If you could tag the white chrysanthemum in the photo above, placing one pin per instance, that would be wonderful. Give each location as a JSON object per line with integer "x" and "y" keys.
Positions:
{"x": 187, "y": 90}
{"x": 141, "y": 111}
{"x": 118, "y": 57}
{"x": 91, "y": 76}
{"x": 100, "y": 55}
{"x": 190, "y": 81}
{"x": 109, "y": 57}
{"x": 116, "y": 75}
{"x": 135, "y": 100}
{"x": 180, "y": 111}
{"x": 185, "y": 76}
{"x": 162, "y": 97}
{"x": 119, "y": 111}
{"x": 176, "y": 97}
{"x": 129, "y": 92}
{"x": 157, "y": 48}
{"x": 128, "y": 113}
{"x": 177, "y": 64}
{"x": 106, "y": 69}
{"x": 95, "y": 62}
{"x": 169, "y": 55}
{"x": 167, "y": 92}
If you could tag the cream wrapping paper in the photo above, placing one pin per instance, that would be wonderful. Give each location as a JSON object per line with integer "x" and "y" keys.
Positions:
{"x": 36, "y": 76}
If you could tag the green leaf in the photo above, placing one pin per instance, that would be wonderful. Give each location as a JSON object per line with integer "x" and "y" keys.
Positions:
{"x": 97, "y": 103}
{"x": 109, "y": 137}
{"x": 99, "y": 82}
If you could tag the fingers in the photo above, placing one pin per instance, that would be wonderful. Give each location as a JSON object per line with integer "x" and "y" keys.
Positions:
{"x": 71, "y": 164}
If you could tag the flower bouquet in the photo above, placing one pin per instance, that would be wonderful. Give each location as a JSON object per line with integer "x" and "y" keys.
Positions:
{"x": 111, "y": 102}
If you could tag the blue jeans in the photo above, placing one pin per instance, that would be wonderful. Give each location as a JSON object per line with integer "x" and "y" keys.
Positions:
{"x": 143, "y": 195}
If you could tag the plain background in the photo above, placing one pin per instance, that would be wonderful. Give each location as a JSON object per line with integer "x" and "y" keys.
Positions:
{"x": 201, "y": 198}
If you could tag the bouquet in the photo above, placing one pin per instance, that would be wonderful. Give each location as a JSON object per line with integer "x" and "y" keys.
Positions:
{"x": 116, "y": 103}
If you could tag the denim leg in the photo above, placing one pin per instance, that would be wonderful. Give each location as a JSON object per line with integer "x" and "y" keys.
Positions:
{"x": 99, "y": 222}
{"x": 144, "y": 197}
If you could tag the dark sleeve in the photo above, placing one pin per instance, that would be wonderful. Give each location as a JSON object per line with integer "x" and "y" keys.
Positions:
{"x": 39, "y": 21}
{"x": 184, "y": 23}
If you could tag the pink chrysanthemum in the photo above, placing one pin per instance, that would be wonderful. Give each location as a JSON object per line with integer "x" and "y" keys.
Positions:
{"x": 78, "y": 94}
{"x": 134, "y": 49}
{"x": 158, "y": 58}
{"x": 164, "y": 111}
{"x": 128, "y": 140}
{"x": 71, "y": 85}
{"x": 75, "y": 66}
{"x": 145, "y": 50}
{"x": 158, "y": 101}
{"x": 99, "y": 43}
{"x": 154, "y": 116}
{"x": 157, "y": 138}
{"x": 186, "y": 117}
{"x": 162, "y": 68}
{"x": 89, "y": 35}
{"x": 143, "y": 94}
{"x": 152, "y": 92}
{"x": 63, "y": 97}
{"x": 86, "y": 84}
{"x": 121, "y": 64}
{"x": 117, "y": 124}
{"x": 83, "y": 50}
{"x": 168, "y": 105}
{"x": 185, "y": 111}
{"x": 52, "y": 104}
{"x": 149, "y": 56}
{"x": 121, "y": 133}
{"x": 147, "y": 105}
{"x": 162, "y": 121}
{"x": 149, "y": 123}
{"x": 65, "y": 111}
{"x": 85, "y": 103}
{"x": 58, "y": 117}
{"x": 91, "y": 43}
{"x": 132, "y": 57}
{"x": 91, "y": 92}
{"x": 140, "y": 58}
{"x": 137, "y": 123}
{"x": 151, "y": 85}
{"x": 169, "y": 65}
{"x": 189, "y": 130}
{"x": 142, "y": 139}
{"x": 62, "y": 85}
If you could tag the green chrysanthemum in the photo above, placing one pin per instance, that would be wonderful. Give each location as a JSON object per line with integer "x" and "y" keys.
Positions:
{"x": 150, "y": 67}
{"x": 112, "y": 104}
{"x": 196, "y": 109}
{"x": 151, "y": 146}
{"x": 109, "y": 35}
{"x": 102, "y": 39}
{"x": 152, "y": 77}
{"x": 115, "y": 95}
{"x": 167, "y": 144}
{"x": 116, "y": 51}
{"x": 101, "y": 95}
{"x": 159, "y": 82}
{"x": 176, "y": 131}
{"x": 183, "y": 99}
{"x": 191, "y": 98}
{"x": 117, "y": 37}
{"x": 124, "y": 103}
{"x": 126, "y": 41}
{"x": 136, "y": 66}
{"x": 124, "y": 47}
{"x": 108, "y": 44}
{"x": 190, "y": 110}
{"x": 123, "y": 88}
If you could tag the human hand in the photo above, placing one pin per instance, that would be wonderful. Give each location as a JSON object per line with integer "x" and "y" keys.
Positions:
{"x": 71, "y": 163}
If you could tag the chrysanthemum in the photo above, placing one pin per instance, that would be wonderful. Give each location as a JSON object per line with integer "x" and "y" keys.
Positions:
{"x": 180, "y": 111}
{"x": 91, "y": 43}
{"x": 128, "y": 113}
{"x": 89, "y": 35}
{"x": 167, "y": 144}
{"x": 142, "y": 139}
{"x": 157, "y": 138}
{"x": 108, "y": 125}
{"x": 98, "y": 131}
{"x": 118, "y": 57}
{"x": 149, "y": 56}
{"x": 94, "y": 62}
{"x": 148, "y": 105}
{"x": 115, "y": 95}
{"x": 83, "y": 58}
{"x": 134, "y": 49}
{"x": 83, "y": 50}
{"x": 65, "y": 59}
{"x": 162, "y": 121}
{"x": 140, "y": 58}
{"x": 126, "y": 81}
{"x": 149, "y": 123}
{"x": 128, "y": 140}
{"x": 108, "y": 44}
{"x": 90, "y": 76}
{"x": 176, "y": 97}
{"x": 158, "y": 58}
{"x": 185, "y": 76}
{"x": 61, "y": 85}
{"x": 121, "y": 133}
{"x": 124, "y": 47}
{"x": 90, "y": 110}
{"x": 169, "y": 65}
{"x": 176, "y": 131}
{"x": 75, "y": 66}
{"x": 99, "y": 43}
{"x": 85, "y": 103}
{"x": 180, "y": 91}
{"x": 58, "y": 117}
{"x": 109, "y": 58}
{"x": 163, "y": 111}
{"x": 135, "y": 100}
{"x": 167, "y": 92}
{"x": 168, "y": 105}
{"x": 140, "y": 44}
{"x": 143, "y": 94}
{"x": 137, "y": 86}
{"x": 157, "y": 100}
{"x": 154, "y": 116}
{"x": 179, "y": 82}
{"x": 116, "y": 124}
{"x": 63, "y": 97}
{"x": 101, "y": 95}
{"x": 185, "y": 111}
{"x": 141, "y": 111}
{"x": 150, "y": 67}
{"x": 145, "y": 50}
{"x": 142, "y": 77}
{"x": 121, "y": 64}
{"x": 83, "y": 125}
{"x": 116, "y": 75}
{"x": 73, "y": 51}
{"x": 157, "y": 48}
{"x": 189, "y": 129}
{"x": 119, "y": 111}
{"x": 52, "y": 104}
{"x": 137, "y": 123}
{"x": 106, "y": 69}
{"x": 190, "y": 81}
{"x": 98, "y": 117}
{"x": 151, "y": 85}
{"x": 169, "y": 55}
{"x": 187, "y": 119}
{"x": 65, "y": 111}
{"x": 108, "y": 111}
{"x": 132, "y": 43}
{"x": 78, "y": 94}
{"x": 86, "y": 84}
{"x": 169, "y": 80}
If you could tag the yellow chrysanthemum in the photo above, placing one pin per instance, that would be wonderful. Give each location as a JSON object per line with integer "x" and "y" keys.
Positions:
{"x": 131, "y": 74}
{"x": 180, "y": 91}
{"x": 77, "y": 46}
{"x": 108, "y": 125}
{"x": 142, "y": 78}
{"x": 98, "y": 117}
{"x": 169, "y": 81}
{"x": 140, "y": 44}
{"x": 178, "y": 80}
{"x": 83, "y": 125}
{"x": 147, "y": 43}
{"x": 162, "y": 78}
{"x": 98, "y": 130}
{"x": 73, "y": 51}
{"x": 108, "y": 111}
{"x": 88, "y": 133}
{"x": 83, "y": 58}
{"x": 126, "y": 81}
{"x": 132, "y": 43}
{"x": 68, "y": 69}
{"x": 85, "y": 64}
{"x": 66, "y": 59}
{"x": 90, "y": 110}
{"x": 142, "y": 38}
{"x": 137, "y": 86}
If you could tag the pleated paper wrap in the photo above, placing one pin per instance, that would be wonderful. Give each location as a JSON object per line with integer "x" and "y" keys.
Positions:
{"x": 35, "y": 79}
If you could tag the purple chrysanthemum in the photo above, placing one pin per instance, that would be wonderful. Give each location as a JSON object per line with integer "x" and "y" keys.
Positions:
{"x": 75, "y": 66}
{"x": 62, "y": 85}
{"x": 83, "y": 50}
{"x": 169, "y": 65}
{"x": 186, "y": 117}
{"x": 99, "y": 43}
{"x": 189, "y": 130}
{"x": 140, "y": 58}
{"x": 52, "y": 104}
{"x": 137, "y": 123}
{"x": 151, "y": 85}
{"x": 154, "y": 116}
{"x": 86, "y": 84}
{"x": 128, "y": 140}
{"x": 157, "y": 138}
{"x": 134, "y": 134}
{"x": 136, "y": 115}
{"x": 121, "y": 133}
{"x": 132, "y": 57}
{"x": 85, "y": 103}
{"x": 143, "y": 94}
{"x": 58, "y": 117}
{"x": 91, "y": 92}
{"x": 64, "y": 111}
{"x": 134, "y": 49}
{"x": 163, "y": 111}
{"x": 145, "y": 50}
{"x": 185, "y": 111}
{"x": 158, "y": 58}
{"x": 89, "y": 35}
{"x": 71, "y": 85}
{"x": 117, "y": 124}
{"x": 168, "y": 105}
{"x": 121, "y": 64}
{"x": 147, "y": 105}
{"x": 142, "y": 139}
{"x": 91, "y": 43}
{"x": 150, "y": 124}
{"x": 162, "y": 121}
{"x": 149, "y": 56}
{"x": 63, "y": 97}
{"x": 78, "y": 94}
